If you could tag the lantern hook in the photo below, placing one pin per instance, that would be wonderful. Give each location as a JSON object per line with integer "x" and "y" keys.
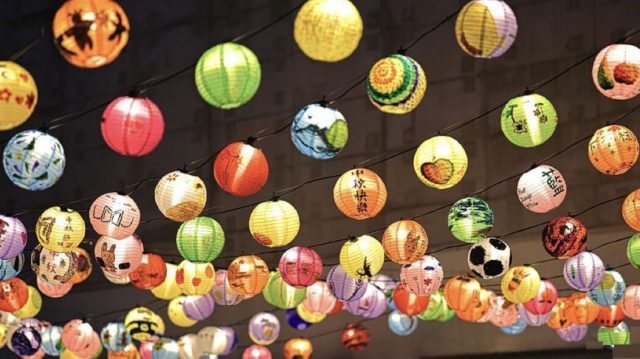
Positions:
{"x": 250, "y": 140}
{"x": 401, "y": 50}
{"x": 352, "y": 238}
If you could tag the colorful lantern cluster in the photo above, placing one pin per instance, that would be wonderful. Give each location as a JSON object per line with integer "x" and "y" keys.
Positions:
{"x": 241, "y": 169}
{"x": 319, "y": 131}
{"x": 18, "y": 95}
{"x": 486, "y": 28}
{"x": 440, "y": 162}
{"x": 541, "y": 189}
{"x": 396, "y": 84}
{"x": 180, "y": 196}
{"x": 470, "y": 219}
{"x": 613, "y": 149}
{"x": 274, "y": 223}
{"x": 529, "y": 120}
{"x": 616, "y": 71}
{"x": 489, "y": 258}
{"x": 362, "y": 257}
{"x": 360, "y": 194}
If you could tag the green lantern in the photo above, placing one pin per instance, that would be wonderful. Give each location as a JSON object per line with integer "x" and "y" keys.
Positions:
{"x": 447, "y": 314}
{"x": 280, "y": 294}
{"x": 470, "y": 219}
{"x": 618, "y": 335}
{"x": 435, "y": 308}
{"x": 529, "y": 120}
{"x": 200, "y": 239}
{"x": 228, "y": 75}
{"x": 633, "y": 250}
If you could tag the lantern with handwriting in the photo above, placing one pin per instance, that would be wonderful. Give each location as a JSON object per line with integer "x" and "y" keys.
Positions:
{"x": 360, "y": 193}
{"x": 613, "y": 149}
{"x": 55, "y": 267}
{"x": 114, "y": 337}
{"x": 114, "y": 215}
{"x": 541, "y": 189}
{"x": 60, "y": 229}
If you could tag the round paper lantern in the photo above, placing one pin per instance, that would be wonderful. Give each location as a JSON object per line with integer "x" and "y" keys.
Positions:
{"x": 241, "y": 169}
{"x": 221, "y": 292}
{"x": 280, "y": 294}
{"x": 114, "y": 337}
{"x": 150, "y": 273}
{"x": 188, "y": 346}
{"x": 573, "y": 333}
{"x": 371, "y": 305}
{"x": 318, "y": 298}
{"x": 541, "y": 189}
{"x": 616, "y": 71}
{"x": 13, "y": 237}
{"x": 228, "y": 75}
{"x": 446, "y": 315}
{"x": 298, "y": 348}
{"x": 231, "y": 340}
{"x": 33, "y": 305}
{"x": 319, "y": 131}
{"x": 544, "y": 300}
{"x": 129, "y": 352}
{"x": 177, "y": 315}
{"x": 433, "y": 309}
{"x": 198, "y": 307}
{"x": 486, "y": 28}
{"x": 516, "y": 328}
{"x": 360, "y": 194}
{"x": 520, "y": 284}
{"x": 564, "y": 237}
{"x": 200, "y": 239}
{"x": 256, "y": 352}
{"x": 119, "y": 256}
{"x": 55, "y": 267}
{"x": 248, "y": 275}
{"x": 300, "y": 266}
{"x": 10, "y": 268}
{"x": 534, "y": 320}
{"x": 558, "y": 318}
{"x": 584, "y": 271}
{"x": 114, "y": 215}
{"x": 383, "y": 281}
{"x": 489, "y": 258}
{"x": 470, "y": 219}
{"x": 610, "y": 316}
{"x": 631, "y": 210}
{"x": 295, "y": 321}
{"x": 613, "y": 149}
{"x": 117, "y": 279}
{"x": 461, "y": 292}
{"x": 143, "y": 324}
{"x": 631, "y": 302}
{"x": 84, "y": 267}
{"x": 610, "y": 290}
{"x": 53, "y": 290}
{"x": 165, "y": 348}
{"x": 51, "y": 341}
{"x": 60, "y": 229}
{"x": 528, "y": 120}
{"x": 402, "y": 324}
{"x": 355, "y": 337}
{"x": 479, "y": 310}
{"x": 362, "y": 257}
{"x": 25, "y": 341}
{"x": 407, "y": 302}
{"x": 274, "y": 223}
{"x": 77, "y": 336}
{"x": 633, "y": 250}
{"x": 405, "y": 241}
{"x": 503, "y": 313}
{"x": 195, "y": 278}
{"x": 308, "y": 316}
{"x": 422, "y": 277}
{"x": 264, "y": 328}
{"x": 180, "y": 196}
{"x": 619, "y": 335}
{"x": 345, "y": 287}
{"x": 396, "y": 84}
{"x": 18, "y": 93}
{"x": 580, "y": 309}
{"x": 168, "y": 289}
{"x": 440, "y": 162}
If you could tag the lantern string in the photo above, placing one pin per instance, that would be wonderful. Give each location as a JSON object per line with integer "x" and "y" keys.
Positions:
{"x": 430, "y": 30}
{"x": 275, "y": 21}
{"x": 18, "y": 54}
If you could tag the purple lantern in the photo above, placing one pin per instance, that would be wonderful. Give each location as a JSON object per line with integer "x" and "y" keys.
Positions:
{"x": 25, "y": 341}
{"x": 294, "y": 320}
{"x": 534, "y": 320}
{"x": 344, "y": 287}
{"x": 232, "y": 340}
{"x": 264, "y": 328}
{"x": 198, "y": 307}
{"x": 13, "y": 237}
{"x": 221, "y": 291}
{"x": 573, "y": 333}
{"x": 584, "y": 271}
{"x": 372, "y": 304}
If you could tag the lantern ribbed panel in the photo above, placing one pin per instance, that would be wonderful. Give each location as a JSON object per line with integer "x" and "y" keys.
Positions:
{"x": 440, "y": 162}
{"x": 422, "y": 277}
{"x": 117, "y": 279}
{"x": 77, "y": 336}
{"x": 119, "y": 256}
{"x": 402, "y": 324}
{"x": 55, "y": 267}
{"x": 309, "y": 316}
{"x": 580, "y": 309}
{"x": 300, "y": 266}
{"x": 407, "y": 302}
{"x": 53, "y": 290}
{"x": 529, "y": 120}
{"x": 248, "y": 275}
{"x": 545, "y": 299}
{"x": 264, "y": 328}
{"x": 344, "y": 287}
{"x": 221, "y": 291}
{"x": 143, "y": 324}
{"x": 10, "y": 268}
{"x": 486, "y": 28}
{"x": 564, "y": 237}
{"x": 396, "y": 84}
{"x": 280, "y": 294}
{"x": 168, "y": 289}
{"x": 180, "y": 196}
{"x": 503, "y": 313}
{"x": 107, "y": 32}
{"x": 195, "y": 278}
{"x": 610, "y": 316}
{"x": 362, "y": 258}
{"x": 584, "y": 271}
{"x": 573, "y": 333}
{"x": 541, "y": 189}
{"x": 256, "y": 351}
{"x": 114, "y": 337}
{"x": 620, "y": 335}
{"x": 360, "y": 194}
{"x": 14, "y": 295}
{"x": 60, "y": 230}
{"x": 18, "y": 95}
{"x": 32, "y": 307}
{"x": 274, "y": 223}
{"x": 228, "y": 75}
{"x": 51, "y": 340}
{"x": 616, "y": 71}
{"x": 319, "y": 132}
{"x": 200, "y": 239}
{"x": 318, "y": 298}
{"x": 520, "y": 284}
{"x": 470, "y": 219}
{"x": 534, "y": 320}
{"x": 613, "y": 149}
{"x": 631, "y": 210}
{"x": 13, "y": 237}
{"x": 461, "y": 292}
{"x": 371, "y": 305}
{"x": 405, "y": 241}
{"x": 241, "y": 169}
{"x": 558, "y": 318}
{"x": 633, "y": 250}
{"x": 176, "y": 314}
{"x": 33, "y": 160}
{"x": 610, "y": 290}
{"x": 84, "y": 266}
{"x": 198, "y": 307}
{"x": 631, "y": 302}
{"x": 114, "y": 215}
{"x": 150, "y": 273}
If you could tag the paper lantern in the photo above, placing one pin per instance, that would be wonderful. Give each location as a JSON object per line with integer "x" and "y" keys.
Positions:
{"x": 256, "y": 352}
{"x": 580, "y": 309}
{"x": 631, "y": 210}
{"x": 241, "y": 169}
{"x": 177, "y": 315}
{"x": 90, "y": 34}
{"x": 371, "y": 305}
{"x": 295, "y": 321}
{"x": 274, "y": 223}
{"x": 440, "y": 162}
{"x": 610, "y": 316}
{"x": 544, "y": 300}
{"x": 433, "y": 309}
{"x": 407, "y": 302}
{"x": 150, "y": 273}
{"x": 165, "y": 348}
{"x": 248, "y": 275}
{"x": 360, "y": 194}
{"x": 541, "y": 189}
{"x": 129, "y": 352}
{"x": 51, "y": 341}
{"x": 362, "y": 257}
{"x": 168, "y": 289}
{"x": 338, "y": 306}
{"x": 558, "y": 318}
{"x": 33, "y": 160}
{"x": 516, "y": 328}
{"x": 180, "y": 196}
{"x": 503, "y": 312}
{"x": 613, "y": 149}
{"x": 117, "y": 279}
{"x": 25, "y": 341}
{"x": 309, "y": 316}
{"x": 60, "y": 229}
{"x": 489, "y": 258}
{"x": 198, "y": 307}
{"x": 77, "y": 336}
{"x": 461, "y": 292}
{"x": 355, "y": 337}
{"x": 383, "y": 281}
{"x": 10, "y": 268}
{"x": 33, "y": 305}
{"x": 280, "y": 294}
{"x": 486, "y": 28}
{"x": 405, "y": 241}
{"x": 520, "y": 284}
{"x": 188, "y": 346}
{"x": 470, "y": 219}
{"x": 145, "y": 349}
{"x": 55, "y": 267}
{"x": 221, "y": 292}
{"x": 616, "y": 71}
{"x": 318, "y": 298}
{"x": 631, "y": 302}
{"x": 18, "y": 95}
{"x": 396, "y": 84}
{"x": 422, "y": 277}
{"x": 584, "y": 271}
{"x": 53, "y": 290}
{"x": 478, "y": 310}
{"x": 13, "y": 237}
{"x": 610, "y": 290}
{"x": 402, "y": 324}
{"x": 119, "y": 256}
{"x": 195, "y": 278}
{"x": 564, "y": 237}
{"x": 534, "y": 320}
{"x": 528, "y": 120}
{"x": 84, "y": 267}
{"x": 264, "y": 328}
{"x": 114, "y": 215}
{"x": 231, "y": 342}
{"x": 319, "y": 131}
{"x": 620, "y": 335}
{"x": 212, "y": 341}
{"x": 300, "y": 266}
{"x": 298, "y": 348}
{"x": 573, "y": 333}
{"x": 114, "y": 337}
{"x": 200, "y": 239}
{"x": 633, "y": 250}
{"x": 345, "y": 287}
{"x": 143, "y": 324}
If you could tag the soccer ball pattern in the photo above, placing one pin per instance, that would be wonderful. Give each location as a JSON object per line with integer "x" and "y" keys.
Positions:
{"x": 489, "y": 258}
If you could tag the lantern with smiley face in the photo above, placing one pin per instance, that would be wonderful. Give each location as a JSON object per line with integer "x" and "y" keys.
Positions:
{"x": 114, "y": 215}
{"x": 195, "y": 278}
{"x": 119, "y": 256}
{"x": 150, "y": 273}
{"x": 143, "y": 324}
{"x": 422, "y": 277}
{"x": 520, "y": 284}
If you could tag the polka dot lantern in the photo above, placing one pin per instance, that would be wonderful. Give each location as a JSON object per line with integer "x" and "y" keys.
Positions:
{"x": 143, "y": 324}
{"x": 274, "y": 223}
{"x": 486, "y": 28}
{"x": 402, "y": 324}
{"x": 176, "y": 314}
{"x": 241, "y": 169}
{"x": 610, "y": 290}
{"x": 13, "y": 237}
{"x": 180, "y": 196}
{"x": 168, "y": 289}
{"x": 564, "y": 237}
{"x": 422, "y": 277}
{"x": 360, "y": 194}
{"x": 151, "y": 272}
{"x": 371, "y": 305}
{"x": 55, "y": 267}
{"x": 18, "y": 95}
{"x": 200, "y": 239}
{"x": 319, "y": 299}
{"x": 298, "y": 348}
{"x": 440, "y": 162}
{"x": 300, "y": 266}
{"x": 345, "y": 287}
{"x": 489, "y": 258}
{"x": 362, "y": 257}
{"x": 613, "y": 149}
{"x": 520, "y": 284}
{"x": 616, "y": 71}
{"x": 580, "y": 309}
{"x": 280, "y": 294}
{"x": 631, "y": 210}
{"x": 461, "y": 292}
{"x": 60, "y": 229}
{"x": 470, "y": 219}
{"x": 195, "y": 278}
{"x": 405, "y": 241}
{"x": 198, "y": 307}
{"x": 221, "y": 292}
{"x": 584, "y": 271}
{"x": 119, "y": 256}
{"x": 264, "y": 328}
{"x": 319, "y": 131}
{"x": 541, "y": 189}
{"x": 407, "y": 302}
{"x": 248, "y": 275}
{"x": 114, "y": 215}
{"x": 631, "y": 302}
{"x": 544, "y": 301}
{"x": 528, "y": 120}
{"x": 396, "y": 84}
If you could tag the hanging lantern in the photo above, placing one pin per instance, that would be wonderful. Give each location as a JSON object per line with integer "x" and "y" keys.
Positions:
{"x": 616, "y": 71}
{"x": 195, "y": 278}
{"x": 564, "y": 237}
{"x": 119, "y": 256}
{"x": 534, "y": 320}
{"x": 528, "y": 120}
{"x": 165, "y": 348}
{"x": 434, "y": 308}
{"x": 280, "y": 294}
{"x": 84, "y": 267}
{"x": 396, "y": 84}
{"x": 264, "y": 328}
{"x": 114, "y": 337}
{"x": 319, "y": 131}
{"x": 584, "y": 271}
{"x": 298, "y": 348}
{"x": 318, "y": 298}
{"x": 610, "y": 316}
{"x": 461, "y": 292}
{"x": 345, "y": 287}
{"x": 573, "y": 333}
{"x": 446, "y": 315}
{"x": 470, "y": 219}
{"x": 180, "y": 196}
{"x": 177, "y": 315}
{"x": 114, "y": 215}
{"x": 383, "y": 281}
{"x": 405, "y": 241}
{"x": 241, "y": 169}
{"x": 520, "y": 284}
{"x": 503, "y": 312}
{"x": 200, "y": 239}
{"x": 544, "y": 300}
{"x": 143, "y": 324}
{"x": 633, "y": 250}
{"x": 248, "y": 275}
{"x": 362, "y": 257}
{"x": 145, "y": 349}
{"x": 486, "y": 28}
{"x": 18, "y": 95}
{"x": 422, "y": 277}
{"x": 168, "y": 289}
{"x": 221, "y": 292}
{"x": 355, "y": 337}
{"x": 55, "y": 267}
{"x": 32, "y": 307}
{"x": 198, "y": 307}
{"x": 232, "y": 340}
{"x": 620, "y": 335}
{"x": 580, "y": 309}
{"x": 407, "y": 302}
{"x": 613, "y": 149}
{"x": 25, "y": 341}
{"x": 440, "y": 162}
{"x": 212, "y": 341}
{"x": 308, "y": 316}
{"x": 188, "y": 346}
{"x": 610, "y": 290}
{"x": 489, "y": 258}
{"x": 150, "y": 273}
{"x": 77, "y": 336}
{"x": 516, "y": 328}
{"x": 631, "y": 210}
{"x": 479, "y": 310}
{"x": 52, "y": 341}
{"x": 60, "y": 229}
{"x": 53, "y": 290}
{"x": 558, "y": 318}
{"x": 274, "y": 223}
{"x": 13, "y": 237}
{"x": 402, "y": 324}
{"x": 631, "y": 302}
{"x": 10, "y": 268}
{"x": 371, "y": 305}
{"x": 295, "y": 321}
{"x": 300, "y": 266}
{"x": 33, "y": 160}
{"x": 541, "y": 189}
{"x": 256, "y": 352}
{"x": 360, "y": 194}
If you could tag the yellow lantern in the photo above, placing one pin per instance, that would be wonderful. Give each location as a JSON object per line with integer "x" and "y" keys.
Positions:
{"x": 144, "y": 324}
{"x": 520, "y": 284}
{"x": 180, "y": 196}
{"x": 440, "y": 162}
{"x": 362, "y": 257}
{"x": 195, "y": 278}
{"x": 32, "y": 307}
{"x": 613, "y": 149}
{"x": 169, "y": 288}
{"x": 360, "y": 193}
{"x": 328, "y": 30}
{"x": 18, "y": 95}
{"x": 486, "y": 28}
{"x": 60, "y": 229}
{"x": 308, "y": 316}
{"x": 274, "y": 223}
{"x": 177, "y": 315}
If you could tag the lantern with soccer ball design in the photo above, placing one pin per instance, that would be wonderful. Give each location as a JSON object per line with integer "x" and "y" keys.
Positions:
{"x": 150, "y": 273}
{"x": 486, "y": 28}
{"x": 345, "y": 287}
{"x": 143, "y": 324}
{"x": 200, "y": 239}
{"x": 422, "y": 277}
{"x": 362, "y": 257}
{"x": 528, "y": 120}
{"x": 610, "y": 290}
{"x": 248, "y": 275}
{"x": 616, "y": 71}
{"x": 274, "y": 223}
{"x": 241, "y": 169}
{"x": 360, "y": 194}
{"x": 280, "y": 294}
{"x": 119, "y": 256}
{"x": 584, "y": 271}
{"x": 440, "y": 162}
{"x": 489, "y": 258}
{"x": 461, "y": 292}
{"x": 541, "y": 189}
{"x": 319, "y": 131}
{"x": 300, "y": 266}
{"x": 613, "y": 149}
{"x": 520, "y": 284}
{"x": 405, "y": 241}
{"x": 195, "y": 278}
{"x": 18, "y": 95}
{"x": 264, "y": 328}
{"x": 180, "y": 196}
{"x": 396, "y": 84}
{"x": 580, "y": 309}
{"x": 564, "y": 237}
{"x": 470, "y": 219}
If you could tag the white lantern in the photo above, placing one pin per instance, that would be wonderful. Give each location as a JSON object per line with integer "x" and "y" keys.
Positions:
{"x": 542, "y": 189}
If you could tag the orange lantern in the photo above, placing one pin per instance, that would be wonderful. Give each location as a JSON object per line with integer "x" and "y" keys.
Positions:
{"x": 610, "y": 316}
{"x": 84, "y": 267}
{"x": 248, "y": 275}
{"x": 478, "y": 309}
{"x": 407, "y": 302}
{"x": 150, "y": 273}
{"x": 631, "y": 210}
{"x": 461, "y": 292}
{"x": 360, "y": 194}
{"x": 613, "y": 149}
{"x": 558, "y": 318}
{"x": 298, "y": 348}
{"x": 241, "y": 169}
{"x": 580, "y": 309}
{"x": 405, "y": 241}
{"x": 14, "y": 294}
{"x": 90, "y": 33}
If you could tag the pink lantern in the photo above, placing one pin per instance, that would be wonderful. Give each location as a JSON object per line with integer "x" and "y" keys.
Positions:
{"x": 371, "y": 305}
{"x": 146, "y": 349}
{"x": 114, "y": 215}
{"x": 573, "y": 333}
{"x": 544, "y": 301}
{"x": 13, "y": 237}
{"x": 38, "y": 355}
{"x": 300, "y": 266}
{"x": 616, "y": 71}
{"x": 132, "y": 126}
{"x": 119, "y": 256}
{"x": 504, "y": 312}
{"x": 631, "y": 302}
{"x": 221, "y": 291}
{"x": 78, "y": 337}
{"x": 534, "y": 320}
{"x": 422, "y": 277}
{"x": 319, "y": 298}
{"x": 53, "y": 290}
{"x": 256, "y": 352}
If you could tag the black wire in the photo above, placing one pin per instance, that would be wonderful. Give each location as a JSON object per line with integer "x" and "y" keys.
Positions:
{"x": 18, "y": 54}
{"x": 429, "y": 31}
{"x": 275, "y": 21}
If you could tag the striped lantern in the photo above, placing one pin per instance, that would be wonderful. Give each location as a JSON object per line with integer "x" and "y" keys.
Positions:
{"x": 631, "y": 210}
{"x": 371, "y": 305}
{"x": 405, "y": 241}
{"x": 280, "y": 294}
{"x": 345, "y": 287}
{"x": 114, "y": 337}
{"x": 613, "y": 149}
{"x": 300, "y": 266}
{"x": 440, "y": 162}
{"x": 580, "y": 309}
{"x": 564, "y": 237}
{"x": 200, "y": 239}
{"x": 503, "y": 313}
{"x": 573, "y": 333}
{"x": 362, "y": 257}
{"x": 241, "y": 169}
{"x": 180, "y": 196}
{"x": 52, "y": 340}
{"x": 319, "y": 131}
{"x": 13, "y": 237}
{"x": 264, "y": 328}
{"x": 248, "y": 275}
{"x": 584, "y": 271}
{"x": 619, "y": 335}
{"x": 610, "y": 316}
{"x": 402, "y": 324}
{"x": 422, "y": 277}
{"x": 198, "y": 307}
{"x": 19, "y": 95}
{"x": 461, "y": 292}
{"x": 616, "y": 71}
{"x": 534, "y": 320}
{"x": 544, "y": 301}
{"x": 274, "y": 223}
{"x": 176, "y": 314}
{"x": 541, "y": 189}
{"x": 407, "y": 302}
{"x": 150, "y": 273}
{"x": 168, "y": 289}
{"x": 119, "y": 256}
{"x": 195, "y": 278}
{"x": 9, "y": 268}
{"x": 319, "y": 298}
{"x": 558, "y": 318}
{"x": 631, "y": 302}
{"x": 520, "y": 284}
{"x": 486, "y": 28}
{"x": 633, "y": 250}
{"x": 470, "y": 219}
{"x": 396, "y": 84}
{"x": 60, "y": 229}
{"x": 53, "y": 290}
{"x": 221, "y": 291}
{"x": 610, "y": 290}
{"x": 480, "y": 310}
{"x": 360, "y": 194}
{"x": 528, "y": 120}
{"x": 114, "y": 215}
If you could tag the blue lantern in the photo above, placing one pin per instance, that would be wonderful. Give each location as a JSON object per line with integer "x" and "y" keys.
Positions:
{"x": 516, "y": 328}
{"x": 402, "y": 324}
{"x": 52, "y": 341}
{"x": 610, "y": 290}
{"x": 319, "y": 132}
{"x": 10, "y": 268}
{"x": 165, "y": 348}
{"x": 294, "y": 320}
{"x": 114, "y": 337}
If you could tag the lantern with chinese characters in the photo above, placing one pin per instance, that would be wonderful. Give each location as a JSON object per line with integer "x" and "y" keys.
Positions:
{"x": 396, "y": 84}
{"x": 308, "y": 316}
{"x": 18, "y": 95}
{"x": 264, "y": 328}
{"x": 503, "y": 313}
{"x": 165, "y": 348}
{"x": 52, "y": 341}
{"x": 470, "y": 219}
{"x": 25, "y": 341}
{"x": 631, "y": 302}
{"x": 200, "y": 239}
{"x": 619, "y": 335}
{"x": 362, "y": 257}
{"x": 298, "y": 348}
{"x": 610, "y": 290}
{"x": 300, "y": 266}
{"x": 274, "y": 223}
{"x": 119, "y": 256}
{"x": 564, "y": 237}
{"x": 633, "y": 250}
{"x": 573, "y": 333}
{"x": 541, "y": 189}
{"x": 355, "y": 337}
{"x": 13, "y": 237}
{"x": 256, "y": 352}
{"x": 176, "y": 314}
{"x": 10, "y": 268}
{"x": 56, "y": 267}
{"x": 360, "y": 194}
{"x": 584, "y": 271}
{"x": 32, "y": 307}
{"x": 114, "y": 337}
{"x": 407, "y": 302}
{"x": 248, "y": 275}
{"x": 228, "y": 75}
{"x": 53, "y": 290}
{"x": 168, "y": 289}
{"x": 529, "y": 120}
{"x": 33, "y": 160}
{"x": 114, "y": 215}
{"x": 180, "y": 196}
{"x": 580, "y": 309}
{"x": 440, "y": 162}
{"x": 143, "y": 324}
{"x": 60, "y": 229}
{"x": 544, "y": 301}
{"x": 489, "y": 258}
{"x": 150, "y": 273}
{"x": 610, "y": 316}
{"x": 616, "y": 71}
{"x": 371, "y": 305}
{"x": 534, "y": 320}
{"x": 241, "y": 169}
{"x": 461, "y": 292}
{"x": 195, "y": 278}
{"x": 402, "y": 324}
{"x": 613, "y": 149}
{"x": 558, "y": 318}
{"x": 280, "y": 294}
{"x": 478, "y": 310}
{"x": 319, "y": 131}
{"x": 631, "y": 210}
{"x": 221, "y": 292}
{"x": 198, "y": 307}
{"x": 318, "y": 298}
{"x": 486, "y": 28}
{"x": 520, "y": 284}
{"x": 405, "y": 241}
{"x": 345, "y": 287}
{"x": 422, "y": 277}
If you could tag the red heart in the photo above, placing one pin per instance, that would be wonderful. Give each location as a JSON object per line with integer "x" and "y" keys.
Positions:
{"x": 196, "y": 281}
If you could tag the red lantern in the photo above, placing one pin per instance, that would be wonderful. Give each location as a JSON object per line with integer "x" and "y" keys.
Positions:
{"x": 564, "y": 237}
{"x": 14, "y": 294}
{"x": 150, "y": 273}
{"x": 544, "y": 301}
{"x": 132, "y": 126}
{"x": 610, "y": 316}
{"x": 241, "y": 169}
{"x": 407, "y": 302}
{"x": 300, "y": 266}
{"x": 355, "y": 337}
